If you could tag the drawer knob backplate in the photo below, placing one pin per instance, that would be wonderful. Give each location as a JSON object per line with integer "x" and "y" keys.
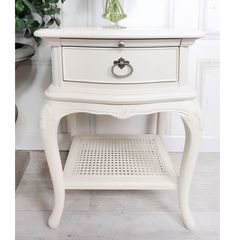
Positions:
{"x": 121, "y": 63}
{"x": 121, "y": 44}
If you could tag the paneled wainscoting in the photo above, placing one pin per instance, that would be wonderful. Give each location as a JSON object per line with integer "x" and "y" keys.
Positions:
{"x": 33, "y": 77}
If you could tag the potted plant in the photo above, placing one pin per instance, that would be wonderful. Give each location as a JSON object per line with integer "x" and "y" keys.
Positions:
{"x": 31, "y": 15}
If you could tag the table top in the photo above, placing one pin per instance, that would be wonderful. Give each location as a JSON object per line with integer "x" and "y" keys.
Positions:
{"x": 123, "y": 33}
{"x": 119, "y": 94}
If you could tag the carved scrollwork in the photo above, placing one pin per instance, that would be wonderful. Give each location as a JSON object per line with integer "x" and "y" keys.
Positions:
{"x": 198, "y": 115}
{"x": 46, "y": 113}
{"x": 188, "y": 110}
{"x": 124, "y": 112}
{"x": 193, "y": 114}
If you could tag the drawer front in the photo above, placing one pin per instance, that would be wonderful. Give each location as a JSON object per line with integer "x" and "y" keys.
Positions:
{"x": 117, "y": 43}
{"x": 114, "y": 65}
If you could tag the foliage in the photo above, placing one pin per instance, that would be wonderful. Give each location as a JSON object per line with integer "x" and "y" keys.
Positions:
{"x": 31, "y": 15}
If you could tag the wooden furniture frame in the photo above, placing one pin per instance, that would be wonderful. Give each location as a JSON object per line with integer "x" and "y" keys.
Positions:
{"x": 119, "y": 161}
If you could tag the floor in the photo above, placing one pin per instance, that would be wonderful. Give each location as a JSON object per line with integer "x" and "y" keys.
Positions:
{"x": 21, "y": 162}
{"x": 117, "y": 215}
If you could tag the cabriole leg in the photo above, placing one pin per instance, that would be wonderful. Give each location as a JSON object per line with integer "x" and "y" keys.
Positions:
{"x": 49, "y": 126}
{"x": 193, "y": 133}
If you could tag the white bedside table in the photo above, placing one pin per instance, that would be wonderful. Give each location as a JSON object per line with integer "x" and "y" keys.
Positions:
{"x": 121, "y": 73}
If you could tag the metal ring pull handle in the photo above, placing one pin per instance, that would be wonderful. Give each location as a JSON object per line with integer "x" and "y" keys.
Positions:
{"x": 121, "y": 63}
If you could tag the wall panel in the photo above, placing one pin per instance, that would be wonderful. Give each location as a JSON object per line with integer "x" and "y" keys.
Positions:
{"x": 34, "y": 76}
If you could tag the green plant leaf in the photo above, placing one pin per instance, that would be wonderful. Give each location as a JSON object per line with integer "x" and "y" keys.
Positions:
{"x": 52, "y": 11}
{"x": 29, "y": 19}
{"x": 35, "y": 25}
{"x": 57, "y": 21}
{"x": 30, "y": 6}
{"x": 19, "y": 24}
{"x": 50, "y": 22}
{"x": 41, "y": 12}
{"x": 19, "y": 6}
{"x": 33, "y": 14}
{"x": 57, "y": 10}
{"x": 43, "y": 24}
{"x": 53, "y": 1}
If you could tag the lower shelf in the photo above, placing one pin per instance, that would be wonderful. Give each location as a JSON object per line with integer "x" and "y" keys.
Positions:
{"x": 119, "y": 162}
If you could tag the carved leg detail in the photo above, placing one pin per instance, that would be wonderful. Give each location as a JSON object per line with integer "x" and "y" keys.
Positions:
{"x": 191, "y": 148}
{"x": 49, "y": 127}
{"x": 161, "y": 123}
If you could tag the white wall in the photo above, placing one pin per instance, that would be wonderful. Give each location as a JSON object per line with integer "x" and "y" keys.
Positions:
{"x": 33, "y": 77}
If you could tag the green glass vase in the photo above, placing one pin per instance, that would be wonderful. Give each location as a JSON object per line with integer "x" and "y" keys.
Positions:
{"x": 114, "y": 12}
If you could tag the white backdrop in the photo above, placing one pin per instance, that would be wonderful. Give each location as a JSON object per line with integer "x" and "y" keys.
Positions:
{"x": 33, "y": 77}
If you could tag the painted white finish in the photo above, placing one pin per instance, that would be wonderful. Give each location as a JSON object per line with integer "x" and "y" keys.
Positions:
{"x": 189, "y": 111}
{"x": 33, "y": 77}
{"x": 123, "y": 33}
{"x": 89, "y": 155}
{"x": 128, "y": 43}
{"x": 149, "y": 65}
{"x": 119, "y": 94}
{"x": 119, "y": 162}
{"x": 49, "y": 137}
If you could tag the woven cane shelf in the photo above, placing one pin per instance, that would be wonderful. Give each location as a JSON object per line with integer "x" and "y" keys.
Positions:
{"x": 119, "y": 162}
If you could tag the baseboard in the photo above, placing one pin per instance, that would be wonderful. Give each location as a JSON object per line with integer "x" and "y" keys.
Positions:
{"x": 208, "y": 144}
{"x": 32, "y": 141}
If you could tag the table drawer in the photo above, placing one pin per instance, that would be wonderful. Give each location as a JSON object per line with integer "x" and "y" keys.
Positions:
{"x": 125, "y": 65}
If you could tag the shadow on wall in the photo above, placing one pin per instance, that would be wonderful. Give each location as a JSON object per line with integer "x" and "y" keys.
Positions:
{"x": 24, "y": 79}
{"x": 32, "y": 77}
